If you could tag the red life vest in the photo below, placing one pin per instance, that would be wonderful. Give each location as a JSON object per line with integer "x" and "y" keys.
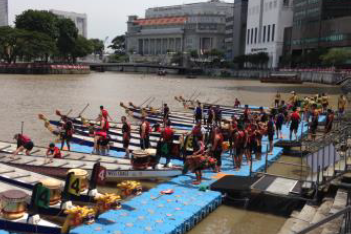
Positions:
{"x": 295, "y": 117}
{"x": 168, "y": 134}
{"x": 106, "y": 126}
{"x": 101, "y": 134}
{"x": 56, "y": 152}
{"x": 104, "y": 113}
{"x": 24, "y": 139}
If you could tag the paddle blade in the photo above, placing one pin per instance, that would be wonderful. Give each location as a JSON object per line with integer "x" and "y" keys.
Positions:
{"x": 58, "y": 112}
{"x": 41, "y": 117}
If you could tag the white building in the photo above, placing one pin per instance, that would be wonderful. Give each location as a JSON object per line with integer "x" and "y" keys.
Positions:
{"x": 80, "y": 20}
{"x": 4, "y": 13}
{"x": 266, "y": 22}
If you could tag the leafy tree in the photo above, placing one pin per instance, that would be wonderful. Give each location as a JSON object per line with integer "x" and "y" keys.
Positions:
{"x": 262, "y": 58}
{"x": 68, "y": 34}
{"x": 39, "y": 21}
{"x": 119, "y": 44}
{"x": 241, "y": 60}
{"x": 83, "y": 47}
{"x": 9, "y": 42}
{"x": 98, "y": 47}
{"x": 336, "y": 56}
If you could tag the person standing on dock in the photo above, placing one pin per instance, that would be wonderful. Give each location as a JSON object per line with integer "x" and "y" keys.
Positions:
{"x": 144, "y": 134}
{"x": 218, "y": 116}
{"x": 126, "y": 131}
{"x": 294, "y": 99}
{"x": 104, "y": 124}
{"x": 210, "y": 117}
{"x": 239, "y": 144}
{"x": 237, "y": 103}
{"x": 23, "y": 143}
{"x": 314, "y": 122}
{"x": 165, "y": 113}
{"x": 263, "y": 115}
{"x": 217, "y": 148}
{"x": 277, "y": 99}
{"x": 325, "y": 101}
{"x": 198, "y": 113}
{"x": 329, "y": 121}
{"x": 279, "y": 121}
{"x": 295, "y": 120}
{"x": 66, "y": 133}
{"x": 196, "y": 133}
{"x": 233, "y": 128}
{"x": 104, "y": 113}
{"x": 247, "y": 114}
{"x": 341, "y": 104}
{"x": 271, "y": 128}
{"x": 167, "y": 142}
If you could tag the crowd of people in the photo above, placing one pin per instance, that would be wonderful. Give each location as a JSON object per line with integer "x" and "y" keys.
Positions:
{"x": 205, "y": 143}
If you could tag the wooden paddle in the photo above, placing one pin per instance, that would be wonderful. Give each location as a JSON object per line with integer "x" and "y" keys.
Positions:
{"x": 84, "y": 109}
{"x": 164, "y": 192}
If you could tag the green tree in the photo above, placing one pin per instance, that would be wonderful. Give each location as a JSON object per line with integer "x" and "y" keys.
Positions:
{"x": 241, "y": 60}
{"x": 68, "y": 34}
{"x": 98, "y": 47}
{"x": 118, "y": 44}
{"x": 336, "y": 56}
{"x": 83, "y": 47}
{"x": 39, "y": 21}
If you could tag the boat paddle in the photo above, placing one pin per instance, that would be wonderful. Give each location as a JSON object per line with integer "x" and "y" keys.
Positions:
{"x": 164, "y": 192}
{"x": 84, "y": 109}
{"x": 145, "y": 101}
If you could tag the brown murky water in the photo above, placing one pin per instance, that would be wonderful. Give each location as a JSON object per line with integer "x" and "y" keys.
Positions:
{"x": 22, "y": 98}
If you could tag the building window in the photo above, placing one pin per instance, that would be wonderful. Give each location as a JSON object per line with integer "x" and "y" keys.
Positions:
{"x": 264, "y": 34}
{"x": 269, "y": 33}
{"x": 273, "y": 32}
{"x": 248, "y": 36}
{"x": 252, "y": 35}
{"x": 255, "y": 35}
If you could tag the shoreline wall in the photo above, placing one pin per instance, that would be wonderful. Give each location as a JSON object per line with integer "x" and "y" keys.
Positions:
{"x": 45, "y": 69}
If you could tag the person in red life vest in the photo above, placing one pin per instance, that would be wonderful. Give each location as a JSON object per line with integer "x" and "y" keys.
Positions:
{"x": 104, "y": 113}
{"x": 271, "y": 132}
{"x": 101, "y": 143}
{"x": 237, "y": 103}
{"x": 144, "y": 134}
{"x": 240, "y": 144}
{"x": 196, "y": 132}
{"x": 53, "y": 151}
{"x": 167, "y": 142}
{"x": 217, "y": 147}
{"x": 126, "y": 129}
{"x": 314, "y": 122}
{"x": 23, "y": 143}
{"x": 329, "y": 121}
{"x": 104, "y": 124}
{"x": 66, "y": 132}
{"x": 157, "y": 128}
{"x": 295, "y": 121}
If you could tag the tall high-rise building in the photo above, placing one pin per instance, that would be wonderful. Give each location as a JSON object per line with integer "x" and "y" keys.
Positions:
{"x": 320, "y": 24}
{"x": 4, "y": 13}
{"x": 80, "y": 20}
{"x": 266, "y": 23}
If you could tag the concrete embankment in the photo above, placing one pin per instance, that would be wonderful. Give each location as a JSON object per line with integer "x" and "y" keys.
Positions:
{"x": 45, "y": 69}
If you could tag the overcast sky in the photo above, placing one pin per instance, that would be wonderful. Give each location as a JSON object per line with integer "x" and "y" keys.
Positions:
{"x": 105, "y": 17}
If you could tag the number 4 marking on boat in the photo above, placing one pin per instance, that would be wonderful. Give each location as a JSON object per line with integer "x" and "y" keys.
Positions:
{"x": 101, "y": 175}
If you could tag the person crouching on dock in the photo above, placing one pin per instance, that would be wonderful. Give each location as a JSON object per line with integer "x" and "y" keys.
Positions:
{"x": 23, "y": 143}
{"x": 53, "y": 151}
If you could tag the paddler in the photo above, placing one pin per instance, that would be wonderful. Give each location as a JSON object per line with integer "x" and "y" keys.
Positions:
{"x": 198, "y": 113}
{"x": 295, "y": 121}
{"x": 277, "y": 99}
{"x": 210, "y": 116}
{"x": 23, "y": 143}
{"x": 217, "y": 147}
{"x": 237, "y": 103}
{"x": 167, "y": 142}
{"x": 53, "y": 151}
{"x": 104, "y": 113}
{"x": 66, "y": 132}
{"x": 165, "y": 113}
{"x": 101, "y": 142}
{"x": 293, "y": 100}
{"x": 126, "y": 131}
{"x": 341, "y": 104}
{"x": 240, "y": 145}
{"x": 314, "y": 122}
{"x": 104, "y": 124}
{"x": 233, "y": 127}
{"x": 329, "y": 121}
{"x": 218, "y": 116}
{"x": 144, "y": 134}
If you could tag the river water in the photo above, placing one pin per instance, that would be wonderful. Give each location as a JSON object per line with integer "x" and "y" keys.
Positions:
{"x": 23, "y": 97}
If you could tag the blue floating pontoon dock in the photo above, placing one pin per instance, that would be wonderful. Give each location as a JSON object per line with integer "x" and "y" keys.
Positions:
{"x": 179, "y": 212}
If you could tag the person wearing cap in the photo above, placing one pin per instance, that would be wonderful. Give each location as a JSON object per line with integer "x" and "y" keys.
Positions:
{"x": 23, "y": 143}
{"x": 294, "y": 99}
{"x": 53, "y": 151}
